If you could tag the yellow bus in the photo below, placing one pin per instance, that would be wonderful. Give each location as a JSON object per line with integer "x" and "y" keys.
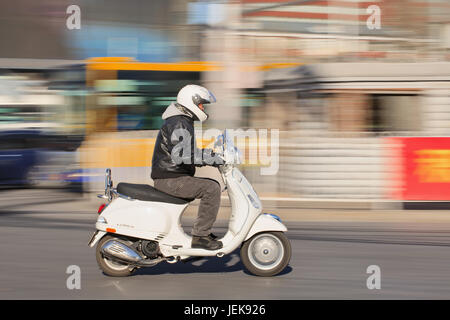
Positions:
{"x": 131, "y": 95}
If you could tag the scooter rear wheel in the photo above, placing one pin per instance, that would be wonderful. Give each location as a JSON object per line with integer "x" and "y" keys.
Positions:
{"x": 108, "y": 266}
{"x": 266, "y": 254}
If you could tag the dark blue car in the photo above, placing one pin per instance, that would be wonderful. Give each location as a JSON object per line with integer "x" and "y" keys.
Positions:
{"x": 19, "y": 153}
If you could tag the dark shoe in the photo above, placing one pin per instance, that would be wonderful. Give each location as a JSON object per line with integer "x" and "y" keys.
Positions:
{"x": 206, "y": 243}
{"x": 212, "y": 236}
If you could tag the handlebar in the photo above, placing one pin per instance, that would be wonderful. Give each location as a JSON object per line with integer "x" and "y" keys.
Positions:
{"x": 231, "y": 154}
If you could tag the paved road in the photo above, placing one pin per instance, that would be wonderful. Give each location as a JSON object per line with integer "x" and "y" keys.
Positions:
{"x": 40, "y": 239}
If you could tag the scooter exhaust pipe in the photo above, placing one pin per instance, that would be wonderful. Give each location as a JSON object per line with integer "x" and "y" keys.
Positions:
{"x": 121, "y": 251}
{"x": 117, "y": 250}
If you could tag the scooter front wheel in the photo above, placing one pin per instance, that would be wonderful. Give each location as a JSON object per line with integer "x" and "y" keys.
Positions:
{"x": 266, "y": 254}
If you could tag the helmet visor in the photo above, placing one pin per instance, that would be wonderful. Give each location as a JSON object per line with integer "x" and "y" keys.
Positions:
{"x": 212, "y": 98}
{"x": 205, "y": 99}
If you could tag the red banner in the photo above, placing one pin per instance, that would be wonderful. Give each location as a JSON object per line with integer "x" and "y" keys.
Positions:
{"x": 425, "y": 168}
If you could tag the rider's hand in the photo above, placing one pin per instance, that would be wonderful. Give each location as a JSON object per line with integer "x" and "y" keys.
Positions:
{"x": 218, "y": 160}
{"x": 216, "y": 165}
{"x": 210, "y": 158}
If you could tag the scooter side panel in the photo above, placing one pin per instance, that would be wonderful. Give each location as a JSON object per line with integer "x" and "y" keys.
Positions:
{"x": 141, "y": 219}
{"x": 265, "y": 223}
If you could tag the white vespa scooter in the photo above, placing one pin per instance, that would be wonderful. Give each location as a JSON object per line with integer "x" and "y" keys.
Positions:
{"x": 141, "y": 226}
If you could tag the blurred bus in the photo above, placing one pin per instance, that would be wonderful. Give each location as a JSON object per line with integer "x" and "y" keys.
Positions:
{"x": 131, "y": 95}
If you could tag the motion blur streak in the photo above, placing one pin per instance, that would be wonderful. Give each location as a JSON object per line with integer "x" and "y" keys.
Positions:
{"x": 357, "y": 92}
{"x": 336, "y": 88}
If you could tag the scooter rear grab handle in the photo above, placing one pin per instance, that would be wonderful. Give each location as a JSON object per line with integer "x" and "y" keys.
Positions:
{"x": 110, "y": 192}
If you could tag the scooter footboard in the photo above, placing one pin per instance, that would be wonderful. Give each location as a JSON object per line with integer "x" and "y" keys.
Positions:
{"x": 265, "y": 222}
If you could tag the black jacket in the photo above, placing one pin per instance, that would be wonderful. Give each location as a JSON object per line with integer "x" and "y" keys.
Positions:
{"x": 176, "y": 132}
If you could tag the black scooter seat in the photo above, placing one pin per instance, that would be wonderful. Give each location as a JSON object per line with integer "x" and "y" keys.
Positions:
{"x": 146, "y": 192}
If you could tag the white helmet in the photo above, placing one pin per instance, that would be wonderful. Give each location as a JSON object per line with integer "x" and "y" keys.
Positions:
{"x": 191, "y": 96}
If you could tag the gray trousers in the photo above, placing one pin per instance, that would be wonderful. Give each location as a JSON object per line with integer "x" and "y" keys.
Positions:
{"x": 207, "y": 190}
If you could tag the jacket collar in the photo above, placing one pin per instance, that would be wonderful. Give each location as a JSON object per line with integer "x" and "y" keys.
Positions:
{"x": 172, "y": 111}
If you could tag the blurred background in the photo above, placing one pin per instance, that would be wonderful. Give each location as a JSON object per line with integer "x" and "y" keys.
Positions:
{"x": 359, "y": 92}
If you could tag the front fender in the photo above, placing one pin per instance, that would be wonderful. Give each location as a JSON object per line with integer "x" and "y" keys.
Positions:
{"x": 265, "y": 222}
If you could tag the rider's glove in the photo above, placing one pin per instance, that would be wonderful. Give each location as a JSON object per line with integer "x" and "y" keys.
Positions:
{"x": 210, "y": 158}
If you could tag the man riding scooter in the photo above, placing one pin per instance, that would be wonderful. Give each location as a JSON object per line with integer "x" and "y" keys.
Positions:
{"x": 151, "y": 233}
{"x": 175, "y": 157}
